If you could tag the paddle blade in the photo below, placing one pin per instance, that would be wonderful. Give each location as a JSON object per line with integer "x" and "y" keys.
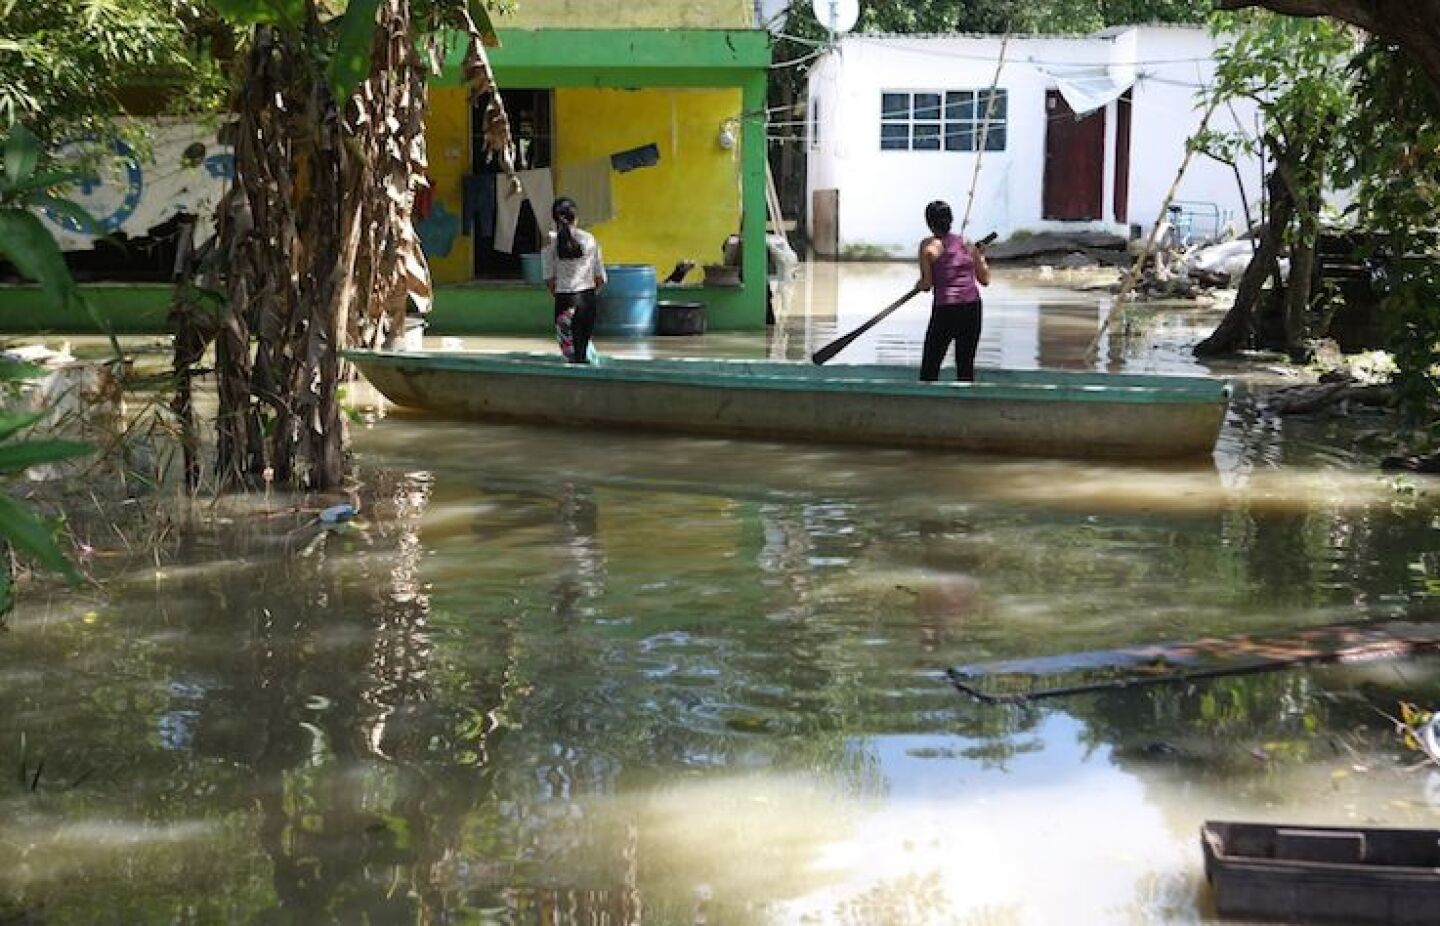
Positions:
{"x": 826, "y": 353}
{"x": 836, "y": 346}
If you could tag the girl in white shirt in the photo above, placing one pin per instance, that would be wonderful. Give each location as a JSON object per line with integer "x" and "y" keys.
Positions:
{"x": 574, "y": 273}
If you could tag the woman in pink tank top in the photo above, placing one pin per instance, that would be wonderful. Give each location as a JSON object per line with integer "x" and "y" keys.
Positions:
{"x": 954, "y": 269}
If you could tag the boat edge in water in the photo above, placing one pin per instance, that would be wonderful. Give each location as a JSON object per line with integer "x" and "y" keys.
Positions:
{"x": 1302, "y": 873}
{"x": 1031, "y": 413}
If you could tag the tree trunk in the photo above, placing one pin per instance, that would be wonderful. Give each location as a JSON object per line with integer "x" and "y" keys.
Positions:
{"x": 321, "y": 251}
{"x": 1237, "y": 329}
{"x": 1298, "y": 290}
{"x": 276, "y": 357}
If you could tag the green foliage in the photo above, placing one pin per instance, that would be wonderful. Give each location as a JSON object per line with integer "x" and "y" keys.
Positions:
{"x": 261, "y": 12}
{"x": 63, "y": 63}
{"x": 350, "y": 64}
{"x": 29, "y": 247}
{"x": 24, "y": 240}
{"x": 1392, "y": 163}
{"x": 22, "y": 153}
{"x": 1296, "y": 72}
{"x": 1020, "y": 15}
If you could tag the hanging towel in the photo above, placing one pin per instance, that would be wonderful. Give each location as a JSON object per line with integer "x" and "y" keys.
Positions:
{"x": 477, "y": 204}
{"x": 424, "y": 199}
{"x": 644, "y": 156}
{"x": 588, "y": 183}
{"x": 538, "y": 186}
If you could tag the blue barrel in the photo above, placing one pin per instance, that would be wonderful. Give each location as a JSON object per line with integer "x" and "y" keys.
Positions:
{"x": 531, "y": 269}
{"x": 627, "y": 303}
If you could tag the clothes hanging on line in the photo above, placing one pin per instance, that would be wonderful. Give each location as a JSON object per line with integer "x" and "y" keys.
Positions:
{"x": 477, "y": 204}
{"x": 537, "y": 186}
{"x": 424, "y": 199}
{"x": 634, "y": 158}
{"x": 588, "y": 183}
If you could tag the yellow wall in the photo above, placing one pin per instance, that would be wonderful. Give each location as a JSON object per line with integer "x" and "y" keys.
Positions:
{"x": 683, "y": 207}
{"x": 621, "y": 14}
{"x": 447, "y": 142}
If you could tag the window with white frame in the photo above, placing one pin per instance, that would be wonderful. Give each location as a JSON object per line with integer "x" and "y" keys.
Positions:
{"x": 942, "y": 120}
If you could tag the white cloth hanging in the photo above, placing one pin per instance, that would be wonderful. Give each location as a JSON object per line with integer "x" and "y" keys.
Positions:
{"x": 538, "y": 186}
{"x": 1088, "y": 87}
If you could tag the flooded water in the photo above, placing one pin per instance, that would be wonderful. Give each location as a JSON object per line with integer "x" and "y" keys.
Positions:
{"x": 561, "y": 676}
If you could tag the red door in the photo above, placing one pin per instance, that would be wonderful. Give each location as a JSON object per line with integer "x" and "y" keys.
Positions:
{"x": 1074, "y": 162}
{"x": 1123, "y": 107}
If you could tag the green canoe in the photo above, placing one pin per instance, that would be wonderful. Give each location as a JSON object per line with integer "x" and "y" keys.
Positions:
{"x": 1031, "y": 412}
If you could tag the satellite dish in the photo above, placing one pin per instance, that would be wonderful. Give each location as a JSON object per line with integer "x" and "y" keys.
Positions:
{"x": 836, "y": 15}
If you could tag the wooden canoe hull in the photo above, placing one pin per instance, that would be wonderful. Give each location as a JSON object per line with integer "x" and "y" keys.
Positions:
{"x": 790, "y": 402}
{"x": 1315, "y": 874}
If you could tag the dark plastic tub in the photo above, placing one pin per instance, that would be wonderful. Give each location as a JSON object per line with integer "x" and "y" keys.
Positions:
{"x": 680, "y": 318}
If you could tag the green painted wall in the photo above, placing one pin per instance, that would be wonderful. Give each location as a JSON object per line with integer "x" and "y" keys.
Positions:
{"x": 459, "y": 310}
{"x": 618, "y": 14}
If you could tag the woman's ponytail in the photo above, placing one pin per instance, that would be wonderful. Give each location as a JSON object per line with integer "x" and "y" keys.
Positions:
{"x": 567, "y": 246}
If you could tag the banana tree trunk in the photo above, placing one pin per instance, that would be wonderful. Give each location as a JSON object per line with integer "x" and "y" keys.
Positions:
{"x": 316, "y": 246}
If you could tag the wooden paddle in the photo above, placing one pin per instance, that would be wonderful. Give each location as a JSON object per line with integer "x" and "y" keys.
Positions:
{"x": 828, "y": 352}
{"x": 834, "y": 347}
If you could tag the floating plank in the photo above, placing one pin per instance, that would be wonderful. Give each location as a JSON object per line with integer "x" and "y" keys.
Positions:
{"x": 1018, "y": 680}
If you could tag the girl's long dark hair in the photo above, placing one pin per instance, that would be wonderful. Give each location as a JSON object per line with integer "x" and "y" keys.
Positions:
{"x": 563, "y": 212}
{"x": 939, "y": 217}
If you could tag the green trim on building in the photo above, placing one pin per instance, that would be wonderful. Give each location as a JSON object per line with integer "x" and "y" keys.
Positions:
{"x": 129, "y": 308}
{"x": 621, "y": 57}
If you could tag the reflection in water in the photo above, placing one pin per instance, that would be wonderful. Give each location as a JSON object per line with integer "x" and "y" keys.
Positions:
{"x": 1029, "y": 323}
{"x": 580, "y": 574}
{"x": 675, "y": 680}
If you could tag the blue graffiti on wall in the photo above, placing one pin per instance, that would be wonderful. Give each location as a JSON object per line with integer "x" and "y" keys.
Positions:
{"x": 109, "y": 195}
{"x": 221, "y": 166}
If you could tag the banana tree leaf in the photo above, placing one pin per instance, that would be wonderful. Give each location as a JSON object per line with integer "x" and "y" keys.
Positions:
{"x": 16, "y": 458}
{"x": 22, "y": 153}
{"x": 70, "y": 209}
{"x": 481, "y": 15}
{"x": 30, "y": 248}
{"x": 29, "y": 535}
{"x": 351, "y": 63}
{"x": 46, "y": 179}
{"x": 14, "y": 423}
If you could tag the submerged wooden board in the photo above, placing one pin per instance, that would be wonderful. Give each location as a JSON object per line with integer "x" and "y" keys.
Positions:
{"x": 1043, "y": 413}
{"x": 1311, "y": 874}
{"x": 1016, "y": 680}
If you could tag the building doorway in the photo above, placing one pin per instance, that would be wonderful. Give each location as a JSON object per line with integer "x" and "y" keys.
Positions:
{"x": 1074, "y": 162}
{"x": 531, "y": 115}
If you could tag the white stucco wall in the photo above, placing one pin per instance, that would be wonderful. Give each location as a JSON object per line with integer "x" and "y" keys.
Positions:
{"x": 883, "y": 193}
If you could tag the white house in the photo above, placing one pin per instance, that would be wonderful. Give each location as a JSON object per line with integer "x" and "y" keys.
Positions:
{"x": 1084, "y": 132}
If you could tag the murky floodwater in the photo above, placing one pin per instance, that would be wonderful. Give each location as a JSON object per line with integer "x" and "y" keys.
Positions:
{"x": 576, "y": 677}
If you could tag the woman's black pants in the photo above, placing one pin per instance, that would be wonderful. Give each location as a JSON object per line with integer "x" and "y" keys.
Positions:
{"x": 957, "y": 324}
